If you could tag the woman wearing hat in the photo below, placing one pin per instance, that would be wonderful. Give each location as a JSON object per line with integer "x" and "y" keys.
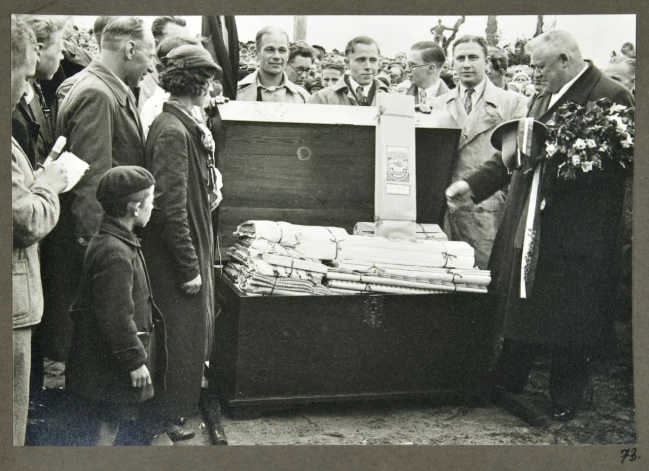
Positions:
{"x": 178, "y": 242}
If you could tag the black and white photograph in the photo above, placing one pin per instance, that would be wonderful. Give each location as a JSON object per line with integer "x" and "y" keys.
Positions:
{"x": 207, "y": 253}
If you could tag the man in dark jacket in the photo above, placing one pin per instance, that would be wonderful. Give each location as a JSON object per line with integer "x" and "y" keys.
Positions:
{"x": 100, "y": 120}
{"x": 577, "y": 261}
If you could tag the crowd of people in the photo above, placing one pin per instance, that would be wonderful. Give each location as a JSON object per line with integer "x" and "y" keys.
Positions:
{"x": 136, "y": 103}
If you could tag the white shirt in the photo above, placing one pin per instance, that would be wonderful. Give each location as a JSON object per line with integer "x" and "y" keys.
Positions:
{"x": 431, "y": 92}
{"x": 555, "y": 96}
{"x": 478, "y": 91}
{"x": 366, "y": 88}
{"x": 29, "y": 94}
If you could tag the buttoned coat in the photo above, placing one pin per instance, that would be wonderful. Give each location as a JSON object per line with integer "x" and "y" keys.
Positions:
{"x": 580, "y": 245}
{"x": 341, "y": 94}
{"x": 477, "y": 224}
{"x": 117, "y": 326}
{"x": 100, "y": 120}
{"x": 34, "y": 212}
{"x": 178, "y": 244}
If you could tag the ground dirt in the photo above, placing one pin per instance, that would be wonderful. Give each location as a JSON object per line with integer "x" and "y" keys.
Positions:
{"x": 610, "y": 420}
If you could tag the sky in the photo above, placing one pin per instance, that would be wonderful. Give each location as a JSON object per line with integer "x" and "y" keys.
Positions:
{"x": 597, "y": 35}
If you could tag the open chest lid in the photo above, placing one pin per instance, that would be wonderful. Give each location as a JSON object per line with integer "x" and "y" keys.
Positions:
{"x": 314, "y": 164}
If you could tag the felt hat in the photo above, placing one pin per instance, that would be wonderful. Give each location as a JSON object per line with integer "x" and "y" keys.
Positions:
{"x": 190, "y": 56}
{"x": 520, "y": 140}
{"x": 122, "y": 181}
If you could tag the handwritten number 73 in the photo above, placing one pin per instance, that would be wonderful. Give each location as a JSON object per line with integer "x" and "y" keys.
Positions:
{"x": 629, "y": 454}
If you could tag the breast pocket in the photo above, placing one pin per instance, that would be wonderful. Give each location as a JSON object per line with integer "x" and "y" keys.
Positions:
{"x": 21, "y": 291}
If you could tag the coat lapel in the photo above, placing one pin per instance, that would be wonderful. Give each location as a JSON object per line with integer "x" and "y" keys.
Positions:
{"x": 578, "y": 92}
{"x": 187, "y": 121}
{"x": 484, "y": 117}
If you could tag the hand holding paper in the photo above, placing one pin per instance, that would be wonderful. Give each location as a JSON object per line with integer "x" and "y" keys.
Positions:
{"x": 73, "y": 165}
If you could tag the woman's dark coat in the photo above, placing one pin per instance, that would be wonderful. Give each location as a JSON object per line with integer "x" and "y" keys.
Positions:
{"x": 178, "y": 245}
{"x": 116, "y": 323}
{"x": 580, "y": 245}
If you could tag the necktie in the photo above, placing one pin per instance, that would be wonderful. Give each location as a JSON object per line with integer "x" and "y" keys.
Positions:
{"x": 468, "y": 103}
{"x": 422, "y": 96}
{"x": 360, "y": 96}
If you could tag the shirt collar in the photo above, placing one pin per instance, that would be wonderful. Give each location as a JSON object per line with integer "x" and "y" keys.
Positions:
{"x": 478, "y": 90}
{"x": 29, "y": 94}
{"x": 555, "y": 96}
{"x": 282, "y": 84}
{"x": 431, "y": 92}
{"x": 354, "y": 85}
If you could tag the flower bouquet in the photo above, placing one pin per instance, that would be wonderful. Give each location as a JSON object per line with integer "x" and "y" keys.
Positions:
{"x": 596, "y": 136}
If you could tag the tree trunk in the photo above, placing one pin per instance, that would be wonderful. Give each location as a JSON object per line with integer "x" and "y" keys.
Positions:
{"x": 492, "y": 30}
{"x": 539, "y": 25}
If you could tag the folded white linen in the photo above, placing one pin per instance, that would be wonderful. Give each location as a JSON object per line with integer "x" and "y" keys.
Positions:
{"x": 373, "y": 288}
{"x": 423, "y": 231}
{"x": 285, "y": 233}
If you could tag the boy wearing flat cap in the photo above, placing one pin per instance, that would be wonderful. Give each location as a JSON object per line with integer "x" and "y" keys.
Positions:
{"x": 118, "y": 356}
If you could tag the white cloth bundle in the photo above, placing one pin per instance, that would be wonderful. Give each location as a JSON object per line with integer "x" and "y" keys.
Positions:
{"x": 401, "y": 281}
{"x": 423, "y": 231}
{"x": 278, "y": 265}
{"x": 286, "y": 234}
{"x": 454, "y": 275}
{"x": 374, "y": 288}
{"x": 427, "y": 253}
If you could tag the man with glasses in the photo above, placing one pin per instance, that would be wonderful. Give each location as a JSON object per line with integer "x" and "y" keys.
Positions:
{"x": 270, "y": 81}
{"x": 360, "y": 86}
{"x": 300, "y": 62}
{"x": 425, "y": 62}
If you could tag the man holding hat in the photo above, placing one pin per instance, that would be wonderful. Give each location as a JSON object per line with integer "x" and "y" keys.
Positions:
{"x": 555, "y": 258}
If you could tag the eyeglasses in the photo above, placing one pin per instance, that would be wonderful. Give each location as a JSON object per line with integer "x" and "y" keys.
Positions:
{"x": 414, "y": 66}
{"x": 300, "y": 70}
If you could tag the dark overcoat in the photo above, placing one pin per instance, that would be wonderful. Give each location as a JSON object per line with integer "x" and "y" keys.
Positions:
{"x": 117, "y": 326}
{"x": 178, "y": 244}
{"x": 580, "y": 246}
{"x": 101, "y": 123}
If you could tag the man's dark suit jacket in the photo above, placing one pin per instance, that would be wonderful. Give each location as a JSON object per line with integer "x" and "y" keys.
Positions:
{"x": 580, "y": 245}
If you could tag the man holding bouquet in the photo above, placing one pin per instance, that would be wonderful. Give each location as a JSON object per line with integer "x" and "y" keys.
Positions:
{"x": 556, "y": 291}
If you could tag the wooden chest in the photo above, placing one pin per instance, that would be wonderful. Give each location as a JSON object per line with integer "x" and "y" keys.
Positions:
{"x": 314, "y": 165}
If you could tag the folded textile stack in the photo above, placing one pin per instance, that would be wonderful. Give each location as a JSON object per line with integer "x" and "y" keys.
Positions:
{"x": 423, "y": 231}
{"x": 267, "y": 258}
{"x": 362, "y": 277}
{"x": 423, "y": 253}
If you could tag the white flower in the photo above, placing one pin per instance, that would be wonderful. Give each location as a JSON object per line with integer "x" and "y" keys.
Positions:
{"x": 586, "y": 166}
{"x": 551, "y": 148}
{"x": 628, "y": 142}
{"x": 617, "y": 108}
{"x": 579, "y": 144}
{"x": 591, "y": 143}
{"x": 619, "y": 124}
{"x": 575, "y": 160}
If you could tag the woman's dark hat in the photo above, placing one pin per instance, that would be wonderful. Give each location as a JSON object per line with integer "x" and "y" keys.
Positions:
{"x": 189, "y": 56}
{"x": 520, "y": 140}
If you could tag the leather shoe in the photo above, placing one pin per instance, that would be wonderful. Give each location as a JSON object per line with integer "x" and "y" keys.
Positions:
{"x": 562, "y": 413}
{"x": 180, "y": 421}
{"x": 177, "y": 434}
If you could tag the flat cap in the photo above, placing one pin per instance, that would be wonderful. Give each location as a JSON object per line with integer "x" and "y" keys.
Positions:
{"x": 122, "y": 181}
